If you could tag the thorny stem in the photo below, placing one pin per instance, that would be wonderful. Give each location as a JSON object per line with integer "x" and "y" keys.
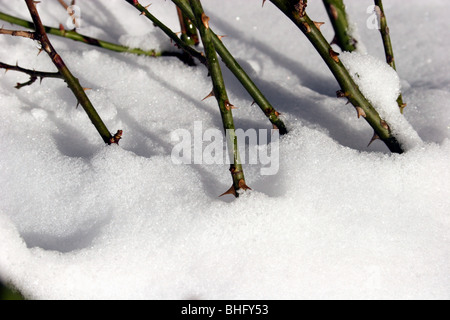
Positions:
{"x": 189, "y": 32}
{"x": 189, "y": 35}
{"x": 180, "y": 43}
{"x": 18, "y": 33}
{"x": 338, "y": 17}
{"x": 296, "y": 12}
{"x": 73, "y": 35}
{"x": 238, "y": 72}
{"x": 34, "y": 75}
{"x": 72, "y": 82}
{"x": 220, "y": 93}
{"x": 389, "y": 52}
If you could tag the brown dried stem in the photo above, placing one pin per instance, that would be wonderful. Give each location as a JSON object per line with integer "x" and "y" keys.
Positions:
{"x": 34, "y": 75}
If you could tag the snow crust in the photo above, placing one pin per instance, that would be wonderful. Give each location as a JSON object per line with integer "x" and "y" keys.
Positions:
{"x": 340, "y": 220}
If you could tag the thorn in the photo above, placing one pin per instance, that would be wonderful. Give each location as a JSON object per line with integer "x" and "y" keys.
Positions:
{"x": 342, "y": 94}
{"x": 205, "y": 20}
{"x": 361, "y": 112}
{"x": 375, "y": 137}
{"x": 211, "y": 94}
{"x": 243, "y": 185}
{"x": 402, "y": 106}
{"x": 318, "y": 24}
{"x": 40, "y": 50}
{"x": 334, "y": 55}
{"x": 385, "y": 125}
{"x": 86, "y": 89}
{"x": 61, "y": 27}
{"x": 274, "y": 127}
{"x": 36, "y": 2}
{"x": 220, "y": 37}
{"x": 78, "y": 103}
{"x": 229, "y": 106}
{"x": 264, "y": 1}
{"x": 277, "y": 113}
{"x": 232, "y": 191}
{"x": 306, "y": 28}
{"x": 253, "y": 103}
{"x": 116, "y": 138}
{"x": 145, "y": 7}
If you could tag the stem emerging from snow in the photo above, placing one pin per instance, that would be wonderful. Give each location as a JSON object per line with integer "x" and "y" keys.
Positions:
{"x": 238, "y": 72}
{"x": 387, "y": 43}
{"x": 296, "y": 12}
{"x": 72, "y": 82}
{"x": 338, "y": 17}
{"x": 220, "y": 93}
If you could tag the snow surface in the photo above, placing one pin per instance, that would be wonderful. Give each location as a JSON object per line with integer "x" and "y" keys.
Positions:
{"x": 80, "y": 220}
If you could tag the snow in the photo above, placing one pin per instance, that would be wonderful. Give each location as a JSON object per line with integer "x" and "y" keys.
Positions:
{"x": 380, "y": 84}
{"x": 81, "y": 220}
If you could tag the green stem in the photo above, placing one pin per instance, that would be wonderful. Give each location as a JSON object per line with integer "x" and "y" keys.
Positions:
{"x": 73, "y": 35}
{"x": 387, "y": 43}
{"x": 349, "y": 87}
{"x": 338, "y": 17}
{"x": 238, "y": 72}
{"x": 180, "y": 43}
{"x": 220, "y": 93}
{"x": 72, "y": 82}
{"x": 189, "y": 32}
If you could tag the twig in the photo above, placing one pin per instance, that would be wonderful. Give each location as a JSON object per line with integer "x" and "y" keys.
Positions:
{"x": 73, "y": 35}
{"x": 231, "y": 63}
{"x": 220, "y": 93}
{"x": 18, "y": 33}
{"x": 34, "y": 75}
{"x": 73, "y": 83}
{"x": 338, "y": 17}
{"x": 349, "y": 88}
{"x": 387, "y": 43}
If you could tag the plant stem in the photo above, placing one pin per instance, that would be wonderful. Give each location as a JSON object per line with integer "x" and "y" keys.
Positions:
{"x": 188, "y": 31}
{"x": 34, "y": 75}
{"x": 238, "y": 72}
{"x": 387, "y": 43}
{"x": 348, "y": 86}
{"x": 73, "y": 35}
{"x": 72, "y": 82}
{"x": 181, "y": 44}
{"x": 338, "y": 17}
{"x": 220, "y": 93}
